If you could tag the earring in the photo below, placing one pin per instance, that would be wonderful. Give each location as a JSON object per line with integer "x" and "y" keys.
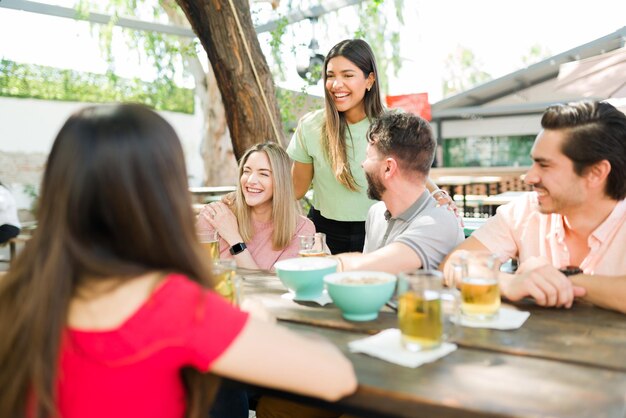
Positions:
{"x": 369, "y": 88}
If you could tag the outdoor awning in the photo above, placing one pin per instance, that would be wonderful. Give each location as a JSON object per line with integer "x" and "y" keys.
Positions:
{"x": 600, "y": 76}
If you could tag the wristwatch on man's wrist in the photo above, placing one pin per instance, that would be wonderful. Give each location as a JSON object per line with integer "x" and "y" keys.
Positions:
{"x": 237, "y": 248}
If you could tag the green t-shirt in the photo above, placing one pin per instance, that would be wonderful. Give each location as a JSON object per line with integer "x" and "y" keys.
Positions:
{"x": 330, "y": 197}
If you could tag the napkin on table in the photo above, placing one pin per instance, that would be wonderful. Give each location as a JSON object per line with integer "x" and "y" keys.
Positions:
{"x": 387, "y": 345}
{"x": 507, "y": 319}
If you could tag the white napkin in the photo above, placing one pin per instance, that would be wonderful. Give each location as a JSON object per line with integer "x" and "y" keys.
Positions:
{"x": 321, "y": 300}
{"x": 506, "y": 319}
{"x": 387, "y": 345}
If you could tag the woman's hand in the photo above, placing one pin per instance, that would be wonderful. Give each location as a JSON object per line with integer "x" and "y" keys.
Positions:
{"x": 443, "y": 198}
{"x": 222, "y": 219}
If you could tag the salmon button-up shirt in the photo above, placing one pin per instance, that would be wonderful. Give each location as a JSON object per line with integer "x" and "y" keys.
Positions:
{"x": 519, "y": 230}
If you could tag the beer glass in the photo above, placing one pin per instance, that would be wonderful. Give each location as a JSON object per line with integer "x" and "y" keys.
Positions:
{"x": 480, "y": 292}
{"x": 211, "y": 244}
{"x": 427, "y": 312}
{"x": 225, "y": 274}
{"x": 313, "y": 245}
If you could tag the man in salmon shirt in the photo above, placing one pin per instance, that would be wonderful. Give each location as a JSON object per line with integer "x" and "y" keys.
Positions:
{"x": 574, "y": 223}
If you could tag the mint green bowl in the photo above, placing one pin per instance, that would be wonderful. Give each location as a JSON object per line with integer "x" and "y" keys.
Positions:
{"x": 304, "y": 276}
{"x": 360, "y": 301}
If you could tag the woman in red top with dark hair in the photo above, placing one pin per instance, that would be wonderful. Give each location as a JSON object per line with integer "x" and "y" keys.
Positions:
{"x": 107, "y": 312}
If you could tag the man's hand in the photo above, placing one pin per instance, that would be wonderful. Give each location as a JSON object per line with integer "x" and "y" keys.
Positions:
{"x": 453, "y": 269}
{"x": 543, "y": 282}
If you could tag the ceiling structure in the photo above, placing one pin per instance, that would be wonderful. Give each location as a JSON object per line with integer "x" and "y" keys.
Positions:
{"x": 126, "y": 22}
{"x": 526, "y": 91}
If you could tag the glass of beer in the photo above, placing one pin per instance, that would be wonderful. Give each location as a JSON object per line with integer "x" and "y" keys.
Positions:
{"x": 225, "y": 274}
{"x": 480, "y": 292}
{"x": 210, "y": 241}
{"x": 313, "y": 245}
{"x": 426, "y": 311}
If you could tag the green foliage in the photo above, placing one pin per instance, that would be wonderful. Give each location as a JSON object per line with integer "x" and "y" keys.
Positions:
{"x": 384, "y": 43}
{"x": 292, "y": 105}
{"x": 463, "y": 71}
{"x": 164, "y": 52}
{"x": 47, "y": 83}
{"x": 276, "y": 43}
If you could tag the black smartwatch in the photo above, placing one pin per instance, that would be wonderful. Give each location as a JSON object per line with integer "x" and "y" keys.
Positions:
{"x": 237, "y": 248}
{"x": 571, "y": 270}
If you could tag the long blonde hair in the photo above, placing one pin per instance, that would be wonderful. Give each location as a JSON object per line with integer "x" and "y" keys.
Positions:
{"x": 284, "y": 204}
{"x": 335, "y": 125}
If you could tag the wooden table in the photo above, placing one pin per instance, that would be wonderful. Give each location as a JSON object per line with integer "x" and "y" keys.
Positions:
{"x": 560, "y": 363}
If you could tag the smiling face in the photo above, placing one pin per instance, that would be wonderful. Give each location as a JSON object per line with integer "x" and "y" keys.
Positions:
{"x": 346, "y": 85}
{"x": 257, "y": 180}
{"x": 559, "y": 189}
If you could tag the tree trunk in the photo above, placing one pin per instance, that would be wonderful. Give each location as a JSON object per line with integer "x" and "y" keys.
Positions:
{"x": 220, "y": 165}
{"x": 216, "y": 149}
{"x": 242, "y": 74}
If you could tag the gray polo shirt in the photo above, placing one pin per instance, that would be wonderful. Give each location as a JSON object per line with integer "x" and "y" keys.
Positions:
{"x": 431, "y": 231}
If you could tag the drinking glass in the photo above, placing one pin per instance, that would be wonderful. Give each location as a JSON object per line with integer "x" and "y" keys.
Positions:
{"x": 210, "y": 241}
{"x": 427, "y": 312}
{"x": 480, "y": 292}
{"x": 228, "y": 283}
{"x": 313, "y": 245}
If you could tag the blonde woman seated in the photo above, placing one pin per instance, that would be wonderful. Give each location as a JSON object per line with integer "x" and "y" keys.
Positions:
{"x": 263, "y": 224}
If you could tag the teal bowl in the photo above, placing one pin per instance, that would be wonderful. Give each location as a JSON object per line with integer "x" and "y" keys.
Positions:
{"x": 304, "y": 276}
{"x": 360, "y": 294}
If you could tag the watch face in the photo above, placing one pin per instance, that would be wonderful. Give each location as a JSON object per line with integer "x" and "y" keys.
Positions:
{"x": 237, "y": 248}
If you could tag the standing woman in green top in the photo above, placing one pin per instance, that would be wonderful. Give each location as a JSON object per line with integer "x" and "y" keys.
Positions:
{"x": 329, "y": 145}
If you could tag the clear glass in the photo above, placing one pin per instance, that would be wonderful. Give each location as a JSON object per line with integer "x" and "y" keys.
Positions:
{"x": 313, "y": 245}
{"x": 210, "y": 241}
{"x": 480, "y": 292}
{"x": 228, "y": 282}
{"x": 427, "y": 312}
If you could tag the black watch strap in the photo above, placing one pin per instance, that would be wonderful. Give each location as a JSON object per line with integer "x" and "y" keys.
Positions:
{"x": 237, "y": 248}
{"x": 571, "y": 270}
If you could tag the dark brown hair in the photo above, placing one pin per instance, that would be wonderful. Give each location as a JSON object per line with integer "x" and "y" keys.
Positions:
{"x": 114, "y": 203}
{"x": 595, "y": 131}
{"x": 406, "y": 137}
{"x": 335, "y": 125}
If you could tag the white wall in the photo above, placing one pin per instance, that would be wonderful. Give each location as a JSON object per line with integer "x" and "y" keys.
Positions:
{"x": 30, "y": 126}
{"x": 497, "y": 126}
